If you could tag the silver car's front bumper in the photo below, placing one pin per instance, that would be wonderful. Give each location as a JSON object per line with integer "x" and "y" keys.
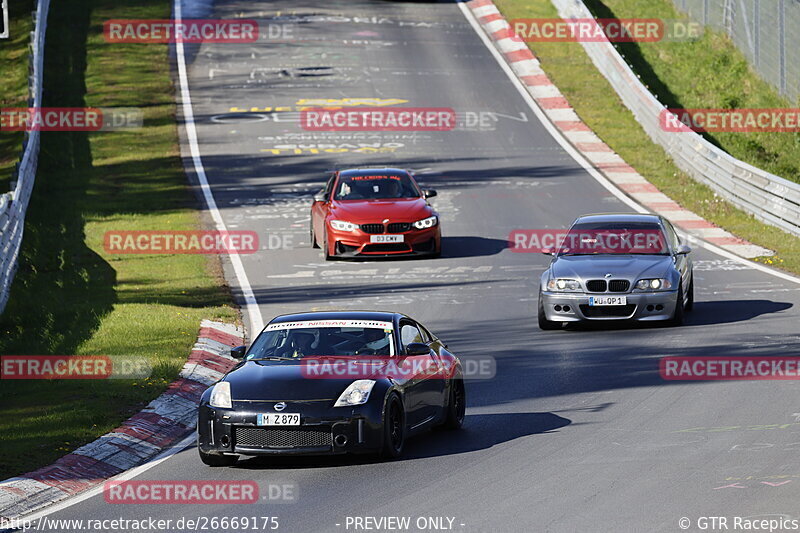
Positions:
{"x": 641, "y": 306}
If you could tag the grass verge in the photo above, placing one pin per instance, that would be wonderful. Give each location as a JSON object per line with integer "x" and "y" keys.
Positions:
{"x": 599, "y": 107}
{"x": 70, "y": 296}
{"x": 14, "y": 82}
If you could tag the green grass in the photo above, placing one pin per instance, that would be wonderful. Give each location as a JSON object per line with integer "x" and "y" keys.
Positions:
{"x": 14, "y": 82}
{"x": 681, "y": 75}
{"x": 70, "y": 296}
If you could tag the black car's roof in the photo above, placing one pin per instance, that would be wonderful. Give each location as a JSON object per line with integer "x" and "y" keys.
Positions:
{"x": 619, "y": 217}
{"x": 383, "y": 316}
{"x": 377, "y": 170}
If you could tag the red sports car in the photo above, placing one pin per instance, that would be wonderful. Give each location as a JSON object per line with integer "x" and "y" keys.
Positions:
{"x": 374, "y": 212}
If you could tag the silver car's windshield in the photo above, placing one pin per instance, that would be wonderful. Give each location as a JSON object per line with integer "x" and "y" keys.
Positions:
{"x": 614, "y": 238}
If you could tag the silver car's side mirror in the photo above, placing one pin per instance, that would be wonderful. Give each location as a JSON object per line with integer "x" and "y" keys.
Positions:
{"x": 548, "y": 251}
{"x": 683, "y": 250}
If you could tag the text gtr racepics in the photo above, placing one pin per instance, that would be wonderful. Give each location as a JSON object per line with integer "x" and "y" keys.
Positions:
{"x": 331, "y": 383}
{"x": 374, "y": 212}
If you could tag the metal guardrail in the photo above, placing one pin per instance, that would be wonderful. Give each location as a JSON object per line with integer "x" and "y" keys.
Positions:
{"x": 14, "y": 204}
{"x": 769, "y": 198}
{"x": 4, "y": 31}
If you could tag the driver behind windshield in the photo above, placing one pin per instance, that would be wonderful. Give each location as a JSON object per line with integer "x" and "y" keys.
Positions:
{"x": 376, "y": 188}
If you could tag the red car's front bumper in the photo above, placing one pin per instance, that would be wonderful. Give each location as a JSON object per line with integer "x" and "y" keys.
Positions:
{"x": 358, "y": 243}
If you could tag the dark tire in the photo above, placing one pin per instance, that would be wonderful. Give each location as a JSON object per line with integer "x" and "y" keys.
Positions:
{"x": 545, "y": 324}
{"x": 394, "y": 429}
{"x": 457, "y": 405}
{"x": 690, "y": 296}
{"x": 328, "y": 257}
{"x": 677, "y": 316}
{"x": 213, "y": 459}
{"x": 314, "y": 243}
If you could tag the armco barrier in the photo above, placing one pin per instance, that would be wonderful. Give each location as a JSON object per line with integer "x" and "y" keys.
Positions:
{"x": 769, "y": 198}
{"x": 14, "y": 204}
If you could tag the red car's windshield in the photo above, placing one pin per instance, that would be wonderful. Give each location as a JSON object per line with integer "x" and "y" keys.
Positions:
{"x": 376, "y": 187}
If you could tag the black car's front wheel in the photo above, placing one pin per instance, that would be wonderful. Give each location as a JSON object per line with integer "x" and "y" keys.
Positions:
{"x": 214, "y": 459}
{"x": 394, "y": 428}
{"x": 457, "y": 406}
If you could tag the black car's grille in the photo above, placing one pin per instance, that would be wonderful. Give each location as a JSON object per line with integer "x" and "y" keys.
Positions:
{"x": 372, "y": 228}
{"x": 608, "y": 311}
{"x": 596, "y": 285}
{"x": 386, "y": 247}
{"x": 619, "y": 285}
{"x": 296, "y": 437}
{"x": 399, "y": 227}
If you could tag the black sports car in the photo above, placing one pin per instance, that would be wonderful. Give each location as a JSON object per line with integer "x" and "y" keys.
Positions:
{"x": 329, "y": 383}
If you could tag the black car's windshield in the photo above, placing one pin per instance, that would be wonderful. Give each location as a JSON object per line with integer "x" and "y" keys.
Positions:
{"x": 296, "y": 340}
{"x": 376, "y": 187}
{"x": 617, "y": 238}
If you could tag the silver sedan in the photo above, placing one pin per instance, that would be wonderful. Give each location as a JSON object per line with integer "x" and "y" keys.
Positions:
{"x": 617, "y": 267}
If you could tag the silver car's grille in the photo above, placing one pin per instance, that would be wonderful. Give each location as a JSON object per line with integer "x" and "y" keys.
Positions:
{"x": 596, "y": 285}
{"x": 297, "y": 437}
{"x": 619, "y": 285}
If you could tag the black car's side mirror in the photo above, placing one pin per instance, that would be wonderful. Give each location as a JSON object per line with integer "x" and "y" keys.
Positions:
{"x": 417, "y": 348}
{"x": 238, "y": 352}
{"x": 429, "y": 193}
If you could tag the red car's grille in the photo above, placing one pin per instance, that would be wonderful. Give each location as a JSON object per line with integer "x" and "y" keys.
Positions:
{"x": 394, "y": 227}
{"x": 399, "y": 227}
{"x": 372, "y": 228}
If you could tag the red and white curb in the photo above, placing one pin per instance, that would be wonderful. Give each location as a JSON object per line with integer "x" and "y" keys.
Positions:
{"x": 164, "y": 422}
{"x": 557, "y": 109}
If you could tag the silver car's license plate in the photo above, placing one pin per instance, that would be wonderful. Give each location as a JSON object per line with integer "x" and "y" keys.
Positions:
{"x": 607, "y": 300}
{"x": 278, "y": 419}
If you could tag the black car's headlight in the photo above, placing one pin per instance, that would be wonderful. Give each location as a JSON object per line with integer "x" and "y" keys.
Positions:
{"x": 655, "y": 284}
{"x": 356, "y": 393}
{"x": 426, "y": 223}
{"x": 563, "y": 285}
{"x": 221, "y": 395}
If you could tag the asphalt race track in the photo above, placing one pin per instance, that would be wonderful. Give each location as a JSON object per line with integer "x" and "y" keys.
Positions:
{"x": 577, "y": 431}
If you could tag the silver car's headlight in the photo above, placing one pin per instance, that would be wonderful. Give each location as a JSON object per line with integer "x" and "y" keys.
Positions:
{"x": 656, "y": 284}
{"x": 356, "y": 393}
{"x": 563, "y": 285}
{"x": 426, "y": 223}
{"x": 341, "y": 225}
{"x": 221, "y": 395}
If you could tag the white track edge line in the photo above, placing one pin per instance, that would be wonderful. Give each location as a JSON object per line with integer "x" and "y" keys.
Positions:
{"x": 253, "y": 311}
{"x": 581, "y": 160}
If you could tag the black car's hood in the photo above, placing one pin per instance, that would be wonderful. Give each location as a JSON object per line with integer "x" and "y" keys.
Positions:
{"x": 630, "y": 267}
{"x": 270, "y": 380}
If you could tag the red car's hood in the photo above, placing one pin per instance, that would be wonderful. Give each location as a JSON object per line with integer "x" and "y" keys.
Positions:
{"x": 366, "y": 211}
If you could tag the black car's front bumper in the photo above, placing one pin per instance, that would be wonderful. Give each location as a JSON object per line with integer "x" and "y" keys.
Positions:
{"x": 323, "y": 429}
